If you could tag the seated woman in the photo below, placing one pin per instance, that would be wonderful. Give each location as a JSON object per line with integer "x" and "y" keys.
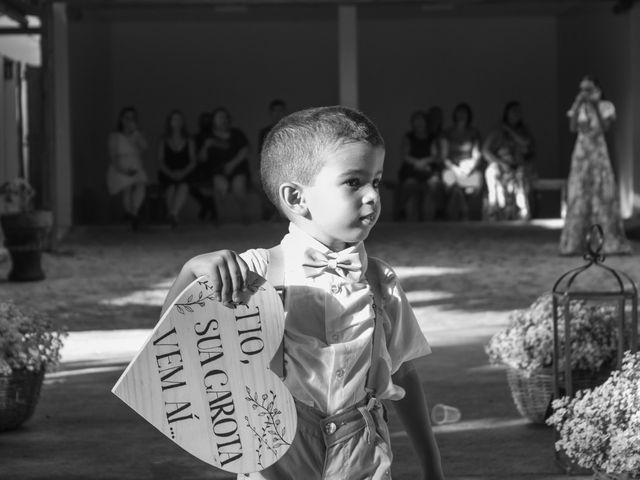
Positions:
{"x": 200, "y": 186}
{"x": 419, "y": 174}
{"x": 227, "y": 152}
{"x": 509, "y": 149}
{"x": 126, "y": 174}
{"x": 176, "y": 155}
{"x": 462, "y": 175}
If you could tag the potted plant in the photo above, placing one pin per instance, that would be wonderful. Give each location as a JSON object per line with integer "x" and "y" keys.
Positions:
{"x": 599, "y": 429}
{"x": 25, "y": 230}
{"x": 29, "y": 345}
{"x": 525, "y": 347}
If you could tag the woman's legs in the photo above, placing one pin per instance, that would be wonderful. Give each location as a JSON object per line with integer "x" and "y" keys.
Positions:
{"x": 239, "y": 187}
{"x": 496, "y": 200}
{"x": 132, "y": 198}
{"x": 138, "y": 192}
{"x": 176, "y": 196}
{"x": 522, "y": 194}
{"x": 169, "y": 195}
{"x": 411, "y": 198}
{"x": 126, "y": 201}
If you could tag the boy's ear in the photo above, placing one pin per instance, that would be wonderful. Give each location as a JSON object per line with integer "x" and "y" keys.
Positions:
{"x": 292, "y": 199}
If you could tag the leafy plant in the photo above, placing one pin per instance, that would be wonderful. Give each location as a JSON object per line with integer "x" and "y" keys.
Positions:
{"x": 17, "y": 195}
{"x": 527, "y": 343}
{"x": 600, "y": 428}
{"x": 28, "y": 340}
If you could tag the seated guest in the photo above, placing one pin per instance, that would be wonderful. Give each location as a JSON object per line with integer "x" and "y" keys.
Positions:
{"x": 177, "y": 159}
{"x": 200, "y": 178}
{"x": 509, "y": 149}
{"x": 435, "y": 192}
{"x": 419, "y": 173}
{"x": 277, "y": 110}
{"x": 126, "y": 174}
{"x": 227, "y": 151}
{"x": 462, "y": 175}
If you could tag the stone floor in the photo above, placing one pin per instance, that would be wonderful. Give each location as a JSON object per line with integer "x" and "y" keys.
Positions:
{"x": 107, "y": 285}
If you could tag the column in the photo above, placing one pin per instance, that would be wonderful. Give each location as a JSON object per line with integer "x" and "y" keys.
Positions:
{"x": 348, "y": 55}
{"x": 61, "y": 172}
{"x": 634, "y": 65}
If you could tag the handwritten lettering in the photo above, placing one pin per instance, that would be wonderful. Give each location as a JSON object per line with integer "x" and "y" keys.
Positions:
{"x": 247, "y": 325}
{"x": 221, "y": 404}
{"x": 179, "y": 408}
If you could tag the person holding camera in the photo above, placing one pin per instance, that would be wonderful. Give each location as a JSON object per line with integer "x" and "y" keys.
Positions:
{"x": 592, "y": 194}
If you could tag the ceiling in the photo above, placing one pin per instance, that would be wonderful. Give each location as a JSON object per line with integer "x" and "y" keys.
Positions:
{"x": 168, "y": 10}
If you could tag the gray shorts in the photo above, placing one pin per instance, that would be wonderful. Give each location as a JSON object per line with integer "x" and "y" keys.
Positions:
{"x": 353, "y": 445}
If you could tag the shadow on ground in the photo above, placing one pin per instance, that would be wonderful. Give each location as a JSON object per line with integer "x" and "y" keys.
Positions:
{"x": 461, "y": 278}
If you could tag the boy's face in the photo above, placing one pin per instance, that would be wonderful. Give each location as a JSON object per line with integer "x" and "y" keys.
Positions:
{"x": 344, "y": 201}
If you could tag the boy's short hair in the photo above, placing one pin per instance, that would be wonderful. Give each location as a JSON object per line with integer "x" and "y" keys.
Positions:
{"x": 292, "y": 149}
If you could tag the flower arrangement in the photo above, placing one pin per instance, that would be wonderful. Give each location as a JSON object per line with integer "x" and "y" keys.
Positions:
{"x": 600, "y": 428}
{"x": 527, "y": 343}
{"x": 27, "y": 340}
{"x": 17, "y": 195}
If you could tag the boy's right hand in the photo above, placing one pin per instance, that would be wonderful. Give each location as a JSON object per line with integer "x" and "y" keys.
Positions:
{"x": 227, "y": 274}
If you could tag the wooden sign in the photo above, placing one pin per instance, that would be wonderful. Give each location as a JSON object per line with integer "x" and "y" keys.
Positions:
{"x": 203, "y": 378}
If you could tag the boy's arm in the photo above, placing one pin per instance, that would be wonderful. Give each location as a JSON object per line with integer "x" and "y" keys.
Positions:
{"x": 227, "y": 274}
{"x": 414, "y": 414}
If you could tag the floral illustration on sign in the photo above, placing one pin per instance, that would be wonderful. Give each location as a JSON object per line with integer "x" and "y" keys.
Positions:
{"x": 252, "y": 287}
{"x": 271, "y": 433}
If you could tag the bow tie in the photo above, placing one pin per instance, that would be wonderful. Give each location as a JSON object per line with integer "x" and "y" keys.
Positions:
{"x": 344, "y": 264}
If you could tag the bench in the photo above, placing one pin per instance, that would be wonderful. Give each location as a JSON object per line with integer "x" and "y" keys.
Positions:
{"x": 544, "y": 186}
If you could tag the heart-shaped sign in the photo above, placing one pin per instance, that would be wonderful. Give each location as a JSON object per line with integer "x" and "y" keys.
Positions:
{"x": 203, "y": 378}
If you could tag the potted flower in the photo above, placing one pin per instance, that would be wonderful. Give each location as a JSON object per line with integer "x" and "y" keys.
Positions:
{"x": 25, "y": 230}
{"x": 599, "y": 429}
{"x": 525, "y": 347}
{"x": 29, "y": 345}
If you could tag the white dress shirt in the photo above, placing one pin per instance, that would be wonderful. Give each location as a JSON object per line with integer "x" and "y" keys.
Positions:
{"x": 329, "y": 327}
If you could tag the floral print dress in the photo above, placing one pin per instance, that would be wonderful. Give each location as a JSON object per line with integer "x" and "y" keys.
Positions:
{"x": 592, "y": 195}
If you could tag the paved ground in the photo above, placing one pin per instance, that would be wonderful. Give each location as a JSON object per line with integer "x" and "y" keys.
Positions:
{"x": 106, "y": 285}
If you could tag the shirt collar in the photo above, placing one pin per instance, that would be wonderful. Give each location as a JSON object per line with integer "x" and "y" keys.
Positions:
{"x": 297, "y": 241}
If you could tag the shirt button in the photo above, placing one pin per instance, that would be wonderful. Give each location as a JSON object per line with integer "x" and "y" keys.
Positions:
{"x": 330, "y": 428}
{"x": 335, "y": 289}
{"x": 340, "y": 373}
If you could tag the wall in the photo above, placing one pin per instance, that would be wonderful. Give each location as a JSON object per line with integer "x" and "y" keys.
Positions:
{"x": 91, "y": 118}
{"x": 404, "y": 64}
{"x": 9, "y": 140}
{"x": 410, "y": 64}
{"x": 194, "y": 66}
{"x": 597, "y": 42}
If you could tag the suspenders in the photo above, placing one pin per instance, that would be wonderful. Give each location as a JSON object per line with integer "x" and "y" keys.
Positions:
{"x": 275, "y": 276}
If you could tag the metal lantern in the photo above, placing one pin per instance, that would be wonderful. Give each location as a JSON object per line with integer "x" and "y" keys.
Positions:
{"x": 617, "y": 288}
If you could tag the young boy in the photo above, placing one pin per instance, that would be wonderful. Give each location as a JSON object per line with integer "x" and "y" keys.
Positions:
{"x": 322, "y": 168}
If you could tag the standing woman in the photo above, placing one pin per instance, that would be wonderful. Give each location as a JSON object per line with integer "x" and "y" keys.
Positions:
{"x": 126, "y": 175}
{"x": 462, "y": 175}
{"x": 227, "y": 151}
{"x": 592, "y": 195}
{"x": 176, "y": 154}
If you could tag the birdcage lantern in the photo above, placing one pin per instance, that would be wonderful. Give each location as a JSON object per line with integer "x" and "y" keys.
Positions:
{"x": 614, "y": 288}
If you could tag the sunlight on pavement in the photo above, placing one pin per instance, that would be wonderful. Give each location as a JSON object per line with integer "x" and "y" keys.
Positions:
{"x": 477, "y": 424}
{"x": 427, "y": 271}
{"x": 103, "y": 345}
{"x": 153, "y": 296}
